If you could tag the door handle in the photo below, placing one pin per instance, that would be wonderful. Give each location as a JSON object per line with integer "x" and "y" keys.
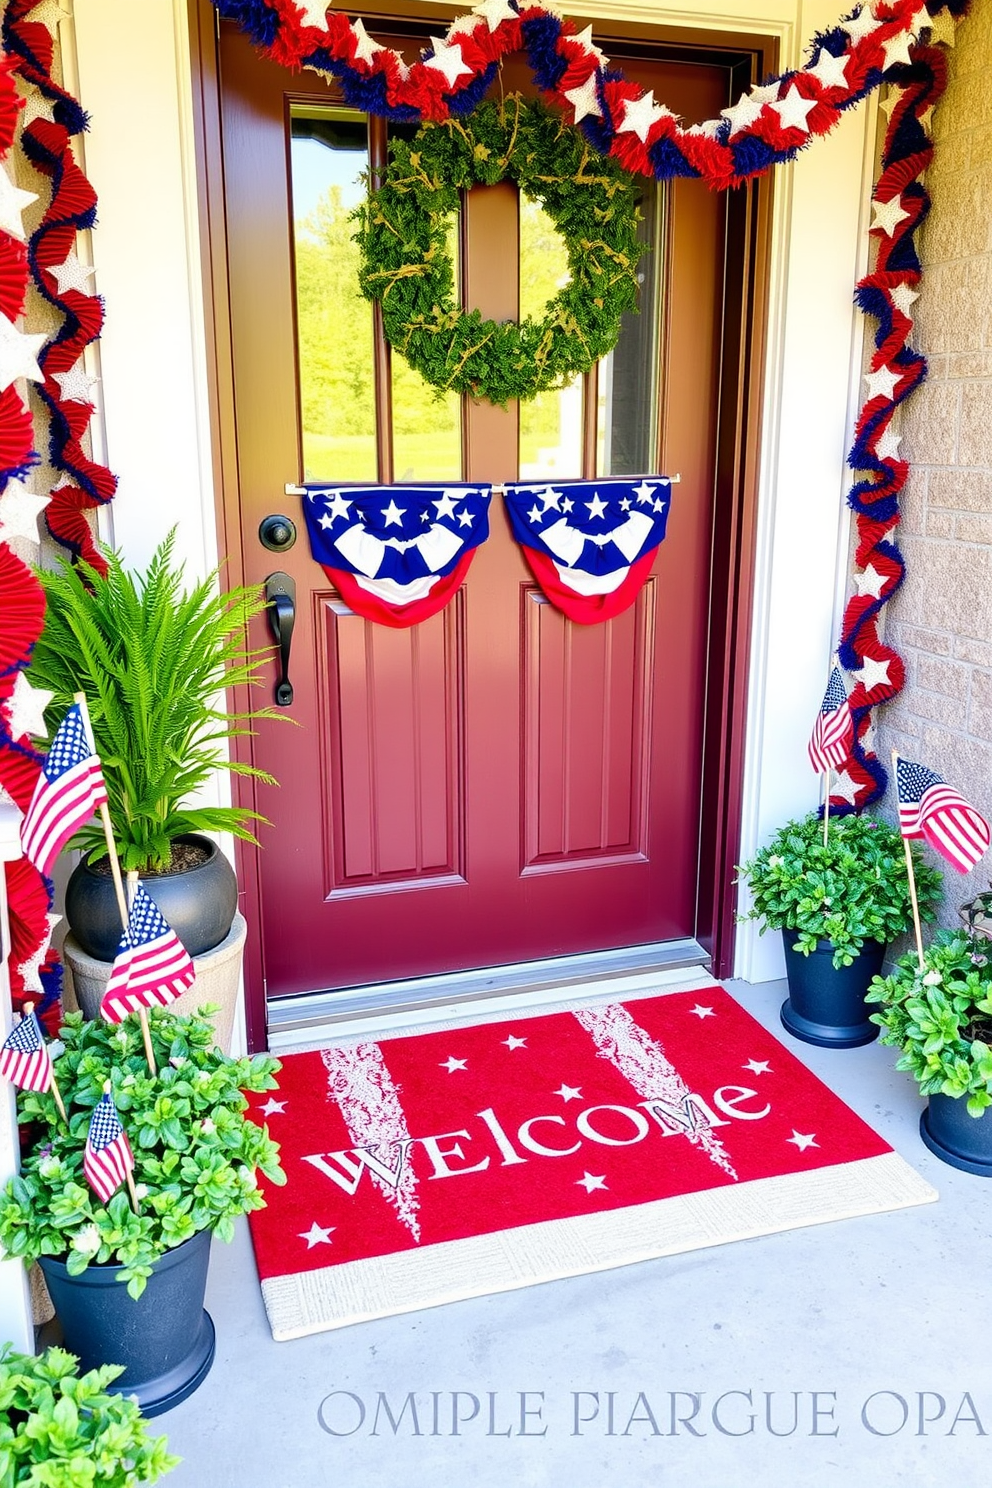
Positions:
{"x": 280, "y": 598}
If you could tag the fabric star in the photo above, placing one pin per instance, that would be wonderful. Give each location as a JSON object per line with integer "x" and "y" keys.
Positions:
{"x": 494, "y": 12}
{"x": 830, "y": 71}
{"x": 447, "y": 60}
{"x": 585, "y": 99}
{"x": 317, "y": 1235}
{"x": 888, "y": 215}
{"x": 514, "y": 1043}
{"x": 534, "y": 515}
{"x": 596, "y": 507}
{"x": 337, "y": 507}
{"x": 625, "y": 504}
{"x": 550, "y": 498}
{"x": 26, "y": 709}
{"x": 454, "y": 1064}
{"x": 273, "y": 1107}
{"x": 887, "y": 445}
{"x": 758, "y": 1067}
{"x": 644, "y": 493}
{"x": 658, "y": 505}
{"x": 76, "y": 385}
{"x": 584, "y": 38}
{"x": 862, "y": 24}
{"x": 640, "y": 115}
{"x": 702, "y": 1012}
{"x": 896, "y": 49}
{"x": 465, "y": 518}
{"x": 883, "y": 383}
{"x": 793, "y": 109}
{"x": 12, "y": 203}
{"x": 394, "y": 515}
{"x": 365, "y": 47}
{"x": 903, "y": 297}
{"x": 567, "y": 504}
{"x": 314, "y": 12}
{"x": 842, "y": 785}
{"x": 870, "y": 581}
{"x": 588, "y": 1181}
{"x": 873, "y": 673}
{"x": 801, "y": 1141}
{"x": 19, "y": 512}
{"x": 72, "y": 274}
{"x": 569, "y": 1092}
{"x": 18, "y": 354}
{"x": 446, "y": 506}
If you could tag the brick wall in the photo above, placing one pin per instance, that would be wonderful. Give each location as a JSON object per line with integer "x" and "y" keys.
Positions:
{"x": 941, "y": 620}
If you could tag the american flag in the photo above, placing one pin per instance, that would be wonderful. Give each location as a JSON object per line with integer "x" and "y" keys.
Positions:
{"x": 833, "y": 731}
{"x": 152, "y": 967}
{"x": 24, "y": 1056}
{"x": 69, "y": 789}
{"x": 932, "y": 809}
{"x": 108, "y": 1158}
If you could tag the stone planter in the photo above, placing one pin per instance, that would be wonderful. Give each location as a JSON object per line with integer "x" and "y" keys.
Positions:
{"x": 961, "y": 1140}
{"x": 826, "y": 1004}
{"x": 218, "y": 978}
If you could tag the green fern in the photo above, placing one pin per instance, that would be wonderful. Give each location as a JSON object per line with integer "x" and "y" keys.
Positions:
{"x": 152, "y": 659}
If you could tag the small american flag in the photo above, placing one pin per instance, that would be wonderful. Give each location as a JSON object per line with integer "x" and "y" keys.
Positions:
{"x": 69, "y": 789}
{"x": 833, "y": 731}
{"x": 108, "y": 1158}
{"x": 932, "y": 809}
{"x": 24, "y": 1056}
{"x": 152, "y": 967}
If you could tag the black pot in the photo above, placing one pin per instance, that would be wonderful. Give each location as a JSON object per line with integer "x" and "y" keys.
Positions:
{"x": 826, "y": 1004}
{"x": 199, "y": 904}
{"x": 955, "y": 1137}
{"x": 165, "y": 1339}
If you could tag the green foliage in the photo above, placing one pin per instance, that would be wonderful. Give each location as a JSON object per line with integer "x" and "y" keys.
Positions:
{"x": 60, "y": 1429}
{"x": 941, "y": 1017}
{"x": 406, "y": 263}
{"x": 152, "y": 659}
{"x": 196, "y": 1155}
{"x": 854, "y": 889}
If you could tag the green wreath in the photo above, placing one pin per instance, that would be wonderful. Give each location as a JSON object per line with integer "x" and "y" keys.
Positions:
{"x": 406, "y": 264}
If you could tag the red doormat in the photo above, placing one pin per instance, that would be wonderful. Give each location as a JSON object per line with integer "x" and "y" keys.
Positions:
{"x": 446, "y": 1164}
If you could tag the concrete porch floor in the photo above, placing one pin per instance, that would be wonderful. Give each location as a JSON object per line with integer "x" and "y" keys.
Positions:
{"x": 871, "y": 1334}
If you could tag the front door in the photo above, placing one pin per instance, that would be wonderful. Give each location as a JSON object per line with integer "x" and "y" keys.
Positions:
{"x": 496, "y": 784}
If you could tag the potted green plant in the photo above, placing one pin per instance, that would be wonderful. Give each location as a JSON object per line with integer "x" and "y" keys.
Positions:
{"x": 837, "y": 903}
{"x": 128, "y": 1284}
{"x": 152, "y": 658}
{"x": 62, "y": 1428}
{"x": 940, "y": 1016}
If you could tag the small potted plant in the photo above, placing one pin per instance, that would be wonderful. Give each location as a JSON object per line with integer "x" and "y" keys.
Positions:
{"x": 61, "y": 1428}
{"x": 940, "y": 1016}
{"x": 127, "y": 1274}
{"x": 838, "y": 904}
{"x": 152, "y": 658}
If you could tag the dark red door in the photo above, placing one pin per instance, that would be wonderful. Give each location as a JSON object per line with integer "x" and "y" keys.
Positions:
{"x": 496, "y": 784}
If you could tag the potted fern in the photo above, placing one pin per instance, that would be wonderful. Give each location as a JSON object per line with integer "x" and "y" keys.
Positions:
{"x": 153, "y": 657}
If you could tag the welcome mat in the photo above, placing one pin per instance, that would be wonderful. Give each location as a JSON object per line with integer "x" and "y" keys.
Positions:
{"x": 446, "y": 1164}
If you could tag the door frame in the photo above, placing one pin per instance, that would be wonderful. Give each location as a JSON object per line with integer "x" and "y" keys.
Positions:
{"x": 745, "y": 322}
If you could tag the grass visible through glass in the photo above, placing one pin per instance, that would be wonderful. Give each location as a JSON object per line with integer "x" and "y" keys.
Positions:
{"x": 551, "y": 423}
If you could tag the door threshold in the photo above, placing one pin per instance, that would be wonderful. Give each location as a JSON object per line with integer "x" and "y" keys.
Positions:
{"x": 374, "y": 1008}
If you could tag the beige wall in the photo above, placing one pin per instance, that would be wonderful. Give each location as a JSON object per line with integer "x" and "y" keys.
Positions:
{"x": 941, "y": 620}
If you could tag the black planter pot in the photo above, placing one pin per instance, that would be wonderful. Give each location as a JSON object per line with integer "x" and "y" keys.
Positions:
{"x": 165, "y": 1339}
{"x": 955, "y": 1137}
{"x": 826, "y": 1004}
{"x": 199, "y": 904}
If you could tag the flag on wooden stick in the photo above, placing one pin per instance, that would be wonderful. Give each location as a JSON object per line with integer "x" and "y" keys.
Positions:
{"x": 933, "y": 810}
{"x": 107, "y": 1159}
{"x": 152, "y": 967}
{"x": 70, "y": 789}
{"x": 833, "y": 732}
{"x": 24, "y": 1056}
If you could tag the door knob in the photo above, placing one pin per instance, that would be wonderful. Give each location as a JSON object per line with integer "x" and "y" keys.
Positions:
{"x": 280, "y": 596}
{"x": 276, "y": 532}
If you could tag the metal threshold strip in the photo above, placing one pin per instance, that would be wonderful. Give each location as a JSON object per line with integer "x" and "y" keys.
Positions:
{"x": 307, "y": 1016}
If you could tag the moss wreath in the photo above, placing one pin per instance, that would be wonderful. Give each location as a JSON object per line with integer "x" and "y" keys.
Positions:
{"x": 406, "y": 264}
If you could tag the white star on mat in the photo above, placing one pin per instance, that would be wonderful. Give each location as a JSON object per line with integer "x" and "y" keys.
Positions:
{"x": 883, "y": 383}
{"x": 76, "y": 385}
{"x": 314, "y": 12}
{"x": 896, "y": 49}
{"x": 26, "y": 709}
{"x": 870, "y": 581}
{"x": 830, "y": 71}
{"x": 454, "y": 1064}
{"x": 758, "y": 1067}
{"x": 888, "y": 215}
{"x": 585, "y": 99}
{"x": 12, "y": 204}
{"x": 19, "y": 512}
{"x": 702, "y": 1012}
{"x": 365, "y": 47}
{"x": 514, "y": 1043}
{"x": 447, "y": 60}
{"x": 862, "y": 25}
{"x": 72, "y": 274}
{"x": 873, "y": 673}
{"x": 842, "y": 785}
{"x": 18, "y": 354}
{"x": 273, "y": 1107}
{"x": 640, "y": 115}
{"x": 903, "y": 297}
{"x": 644, "y": 493}
{"x": 793, "y": 109}
{"x": 394, "y": 515}
{"x": 569, "y": 1092}
{"x": 801, "y": 1141}
{"x": 317, "y": 1235}
{"x": 589, "y": 1181}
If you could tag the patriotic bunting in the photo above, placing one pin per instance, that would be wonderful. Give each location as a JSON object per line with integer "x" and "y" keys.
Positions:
{"x": 932, "y": 809}
{"x": 152, "y": 967}
{"x": 107, "y": 1157}
{"x": 396, "y": 554}
{"x": 70, "y": 789}
{"x": 833, "y": 731}
{"x": 24, "y": 1056}
{"x": 590, "y": 544}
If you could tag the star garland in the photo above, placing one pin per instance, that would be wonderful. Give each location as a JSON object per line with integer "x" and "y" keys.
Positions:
{"x": 769, "y": 124}
{"x": 407, "y": 268}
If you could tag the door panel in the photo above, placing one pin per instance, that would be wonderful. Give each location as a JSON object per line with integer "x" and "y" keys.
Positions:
{"x": 496, "y": 784}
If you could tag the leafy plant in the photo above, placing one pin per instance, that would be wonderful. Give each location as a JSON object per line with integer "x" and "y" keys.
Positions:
{"x": 152, "y": 659}
{"x": 941, "y": 1017}
{"x": 196, "y": 1155}
{"x": 851, "y": 890}
{"x": 60, "y": 1429}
